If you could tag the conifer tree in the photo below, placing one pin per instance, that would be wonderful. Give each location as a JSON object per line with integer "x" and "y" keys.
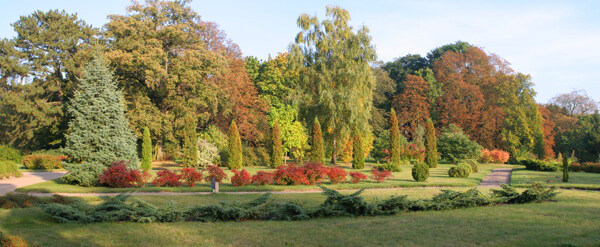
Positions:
{"x": 565, "y": 169}
{"x": 99, "y": 132}
{"x": 190, "y": 142}
{"x": 146, "y": 150}
{"x": 358, "y": 156}
{"x": 395, "y": 141}
{"x": 318, "y": 151}
{"x": 276, "y": 149}
{"x": 430, "y": 145}
{"x": 234, "y": 147}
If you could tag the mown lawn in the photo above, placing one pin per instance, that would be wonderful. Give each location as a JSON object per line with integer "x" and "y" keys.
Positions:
{"x": 577, "y": 180}
{"x": 438, "y": 178}
{"x": 571, "y": 221}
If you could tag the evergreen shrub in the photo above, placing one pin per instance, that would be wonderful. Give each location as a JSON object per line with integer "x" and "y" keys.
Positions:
{"x": 420, "y": 172}
{"x": 461, "y": 170}
{"x": 474, "y": 165}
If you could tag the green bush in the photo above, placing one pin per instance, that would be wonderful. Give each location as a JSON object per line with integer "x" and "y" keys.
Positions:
{"x": 10, "y": 153}
{"x": 389, "y": 167}
{"x": 461, "y": 170}
{"x": 8, "y": 168}
{"x": 474, "y": 165}
{"x": 358, "y": 159}
{"x": 454, "y": 145}
{"x": 256, "y": 156}
{"x": 84, "y": 174}
{"x": 43, "y": 161}
{"x": 539, "y": 165}
{"x": 420, "y": 172}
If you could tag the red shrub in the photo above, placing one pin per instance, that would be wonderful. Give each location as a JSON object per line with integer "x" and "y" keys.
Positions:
{"x": 314, "y": 172}
{"x": 290, "y": 175}
{"x": 240, "y": 178}
{"x": 412, "y": 151}
{"x": 167, "y": 178}
{"x": 380, "y": 176}
{"x": 118, "y": 176}
{"x": 590, "y": 167}
{"x": 357, "y": 176}
{"x": 215, "y": 172}
{"x": 336, "y": 174}
{"x": 494, "y": 156}
{"x": 190, "y": 176}
{"x": 262, "y": 178}
{"x": 143, "y": 178}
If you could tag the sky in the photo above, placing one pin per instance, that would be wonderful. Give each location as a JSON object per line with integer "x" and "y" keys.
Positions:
{"x": 556, "y": 42}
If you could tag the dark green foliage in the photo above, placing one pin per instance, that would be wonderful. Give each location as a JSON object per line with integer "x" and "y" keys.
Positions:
{"x": 586, "y": 137}
{"x": 395, "y": 152}
{"x": 431, "y": 155}
{"x": 8, "y": 168}
{"x": 358, "y": 155}
{"x": 389, "y": 167}
{"x": 474, "y": 165}
{"x": 455, "y": 145}
{"x": 190, "y": 142}
{"x": 9, "y": 153}
{"x": 461, "y": 170}
{"x": 146, "y": 150}
{"x": 317, "y": 149}
{"x": 565, "y": 168}
{"x": 539, "y": 165}
{"x": 276, "y": 148}
{"x": 234, "y": 148}
{"x": 381, "y": 146}
{"x": 84, "y": 174}
{"x": 117, "y": 209}
{"x": 256, "y": 156}
{"x": 99, "y": 132}
{"x": 420, "y": 172}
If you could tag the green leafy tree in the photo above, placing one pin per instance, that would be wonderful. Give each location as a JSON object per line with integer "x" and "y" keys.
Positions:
{"x": 99, "y": 132}
{"x": 146, "y": 150}
{"x": 454, "y": 145}
{"x": 318, "y": 150}
{"x": 293, "y": 133}
{"x": 395, "y": 140}
{"x": 234, "y": 148}
{"x": 382, "y": 98}
{"x": 335, "y": 76}
{"x": 431, "y": 155}
{"x": 190, "y": 142}
{"x": 586, "y": 138}
{"x": 358, "y": 154}
{"x": 277, "y": 150}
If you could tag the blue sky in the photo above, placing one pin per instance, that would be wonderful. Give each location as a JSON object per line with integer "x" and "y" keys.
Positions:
{"x": 554, "y": 41}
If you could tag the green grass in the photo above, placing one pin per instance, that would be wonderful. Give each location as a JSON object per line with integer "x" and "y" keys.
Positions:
{"x": 438, "y": 178}
{"x": 577, "y": 180}
{"x": 572, "y": 220}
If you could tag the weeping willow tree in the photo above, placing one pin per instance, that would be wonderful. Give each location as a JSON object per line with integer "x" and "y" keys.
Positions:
{"x": 335, "y": 77}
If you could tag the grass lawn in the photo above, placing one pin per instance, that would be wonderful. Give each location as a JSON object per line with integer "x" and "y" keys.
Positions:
{"x": 573, "y": 221}
{"x": 438, "y": 178}
{"x": 577, "y": 180}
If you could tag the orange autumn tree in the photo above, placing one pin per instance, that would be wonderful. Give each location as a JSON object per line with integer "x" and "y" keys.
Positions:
{"x": 548, "y": 129}
{"x": 413, "y": 104}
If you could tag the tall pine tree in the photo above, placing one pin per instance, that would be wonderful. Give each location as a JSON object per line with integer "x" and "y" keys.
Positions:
{"x": 358, "y": 155}
{"x": 395, "y": 156}
{"x": 430, "y": 145}
{"x": 99, "y": 133}
{"x": 190, "y": 142}
{"x": 234, "y": 147}
{"x": 318, "y": 151}
{"x": 146, "y": 150}
{"x": 277, "y": 149}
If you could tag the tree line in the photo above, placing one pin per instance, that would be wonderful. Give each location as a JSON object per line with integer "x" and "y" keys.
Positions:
{"x": 177, "y": 71}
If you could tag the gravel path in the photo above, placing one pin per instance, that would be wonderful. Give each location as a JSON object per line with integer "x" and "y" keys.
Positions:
{"x": 497, "y": 177}
{"x": 28, "y": 178}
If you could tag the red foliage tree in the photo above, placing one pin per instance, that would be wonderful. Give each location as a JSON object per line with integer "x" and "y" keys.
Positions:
{"x": 413, "y": 104}
{"x": 548, "y": 128}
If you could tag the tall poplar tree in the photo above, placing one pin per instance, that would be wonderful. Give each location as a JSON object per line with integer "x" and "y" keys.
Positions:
{"x": 276, "y": 148}
{"x": 99, "y": 132}
{"x": 318, "y": 151}
{"x": 234, "y": 147}
{"x": 431, "y": 158}
{"x": 335, "y": 74}
{"x": 395, "y": 156}
{"x": 146, "y": 150}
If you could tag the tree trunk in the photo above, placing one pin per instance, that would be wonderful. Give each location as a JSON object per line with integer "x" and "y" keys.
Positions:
{"x": 333, "y": 158}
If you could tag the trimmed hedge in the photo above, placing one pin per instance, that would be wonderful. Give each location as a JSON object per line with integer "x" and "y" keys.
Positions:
{"x": 43, "y": 161}
{"x": 539, "y": 165}
{"x": 8, "y": 169}
{"x": 118, "y": 209}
